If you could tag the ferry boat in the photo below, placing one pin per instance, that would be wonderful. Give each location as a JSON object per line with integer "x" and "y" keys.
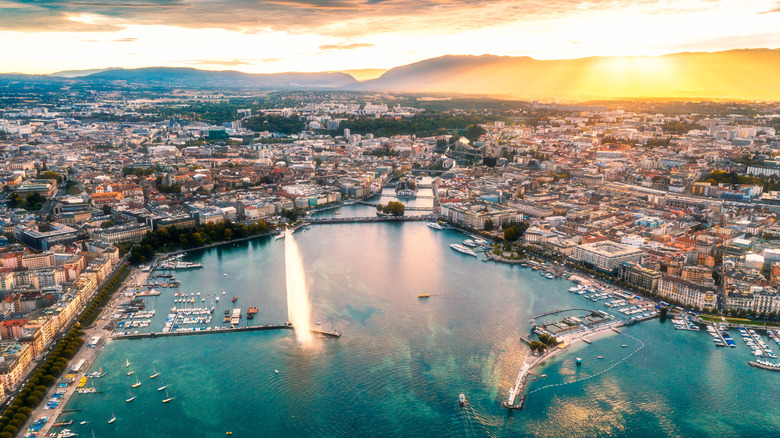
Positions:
{"x": 463, "y": 249}
{"x": 435, "y": 226}
{"x": 462, "y": 400}
{"x": 423, "y": 296}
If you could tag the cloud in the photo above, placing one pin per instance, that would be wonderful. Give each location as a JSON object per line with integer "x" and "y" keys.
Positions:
{"x": 345, "y": 46}
{"x": 124, "y": 40}
{"x": 230, "y": 62}
{"x": 327, "y": 17}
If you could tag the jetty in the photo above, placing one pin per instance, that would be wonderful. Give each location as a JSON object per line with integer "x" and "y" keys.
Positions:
{"x": 603, "y": 323}
{"x": 214, "y": 330}
{"x": 764, "y": 365}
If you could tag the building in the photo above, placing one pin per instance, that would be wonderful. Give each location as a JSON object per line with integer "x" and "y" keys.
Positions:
{"x": 687, "y": 293}
{"x": 14, "y": 359}
{"x": 531, "y": 208}
{"x": 697, "y": 274}
{"x": 45, "y": 235}
{"x": 639, "y": 276}
{"x": 37, "y": 261}
{"x": 606, "y": 256}
{"x": 122, "y": 233}
{"x": 45, "y": 187}
{"x": 474, "y": 215}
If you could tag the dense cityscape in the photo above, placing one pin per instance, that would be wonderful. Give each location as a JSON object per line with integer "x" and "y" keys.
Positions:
{"x": 669, "y": 207}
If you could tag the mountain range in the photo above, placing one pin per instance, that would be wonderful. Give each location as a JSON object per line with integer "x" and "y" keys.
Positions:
{"x": 733, "y": 74}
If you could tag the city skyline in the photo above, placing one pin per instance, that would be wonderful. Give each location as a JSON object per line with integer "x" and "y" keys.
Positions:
{"x": 281, "y": 36}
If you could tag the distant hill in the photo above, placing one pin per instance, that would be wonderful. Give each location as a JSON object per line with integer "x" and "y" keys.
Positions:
{"x": 80, "y": 73}
{"x": 736, "y": 74}
{"x": 191, "y": 77}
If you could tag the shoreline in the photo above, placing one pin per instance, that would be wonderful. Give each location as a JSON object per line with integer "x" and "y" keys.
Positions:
{"x": 88, "y": 354}
{"x": 531, "y": 361}
{"x": 215, "y": 244}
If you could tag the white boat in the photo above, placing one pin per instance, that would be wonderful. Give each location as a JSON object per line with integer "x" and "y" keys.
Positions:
{"x": 223, "y": 292}
{"x": 276, "y": 371}
{"x": 225, "y": 274}
{"x": 112, "y": 419}
{"x": 130, "y": 373}
{"x": 130, "y": 399}
{"x": 136, "y": 384}
{"x": 167, "y": 398}
{"x": 435, "y": 226}
{"x": 155, "y": 373}
{"x": 463, "y": 249}
{"x": 127, "y": 362}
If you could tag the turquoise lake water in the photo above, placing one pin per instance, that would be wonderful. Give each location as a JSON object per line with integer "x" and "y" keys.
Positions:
{"x": 401, "y": 362}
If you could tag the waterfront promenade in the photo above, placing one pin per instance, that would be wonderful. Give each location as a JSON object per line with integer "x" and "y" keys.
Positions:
{"x": 100, "y": 328}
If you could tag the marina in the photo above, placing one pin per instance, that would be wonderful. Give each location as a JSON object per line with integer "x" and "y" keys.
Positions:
{"x": 462, "y": 339}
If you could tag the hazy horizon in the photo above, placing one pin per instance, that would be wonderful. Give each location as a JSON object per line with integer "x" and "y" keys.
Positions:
{"x": 343, "y": 35}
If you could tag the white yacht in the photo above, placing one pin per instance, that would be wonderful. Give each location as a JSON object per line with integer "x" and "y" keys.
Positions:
{"x": 463, "y": 249}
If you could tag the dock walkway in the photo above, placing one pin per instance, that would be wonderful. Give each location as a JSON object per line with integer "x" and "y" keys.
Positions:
{"x": 209, "y": 330}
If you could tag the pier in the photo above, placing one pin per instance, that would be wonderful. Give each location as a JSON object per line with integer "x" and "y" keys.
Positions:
{"x": 530, "y": 361}
{"x": 210, "y": 330}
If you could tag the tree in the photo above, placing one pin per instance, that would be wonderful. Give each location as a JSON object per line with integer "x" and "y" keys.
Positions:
{"x": 473, "y": 132}
{"x": 318, "y": 161}
{"x": 488, "y": 225}
{"x": 394, "y": 208}
{"x": 107, "y": 224}
{"x": 50, "y": 175}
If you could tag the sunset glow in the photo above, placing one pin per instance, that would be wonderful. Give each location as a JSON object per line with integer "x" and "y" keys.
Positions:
{"x": 322, "y": 35}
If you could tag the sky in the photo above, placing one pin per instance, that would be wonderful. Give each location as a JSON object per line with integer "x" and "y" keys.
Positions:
{"x": 268, "y": 36}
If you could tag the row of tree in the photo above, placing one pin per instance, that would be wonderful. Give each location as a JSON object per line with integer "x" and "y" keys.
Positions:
{"x": 173, "y": 238}
{"x": 424, "y": 124}
{"x": 93, "y": 310}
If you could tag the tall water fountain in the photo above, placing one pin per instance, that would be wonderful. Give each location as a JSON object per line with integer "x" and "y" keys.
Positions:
{"x": 298, "y": 305}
